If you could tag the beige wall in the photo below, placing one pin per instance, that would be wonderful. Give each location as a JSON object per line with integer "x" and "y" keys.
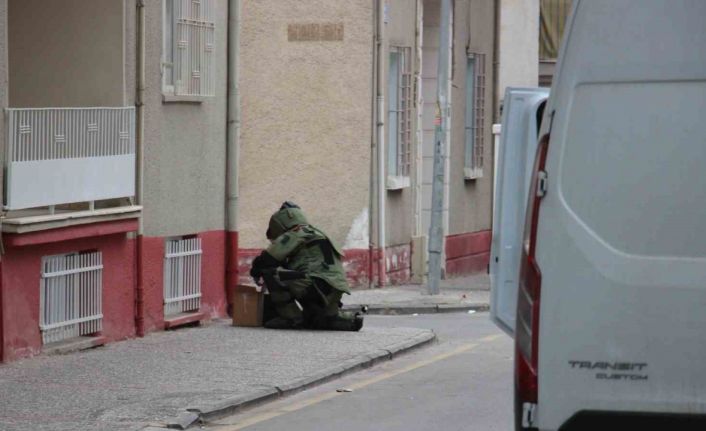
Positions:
{"x": 306, "y": 115}
{"x": 470, "y": 207}
{"x": 519, "y": 44}
{"x": 184, "y": 190}
{"x": 401, "y": 32}
{"x": 66, "y": 53}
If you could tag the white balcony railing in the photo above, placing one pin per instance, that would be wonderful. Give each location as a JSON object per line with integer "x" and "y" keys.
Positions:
{"x": 65, "y": 155}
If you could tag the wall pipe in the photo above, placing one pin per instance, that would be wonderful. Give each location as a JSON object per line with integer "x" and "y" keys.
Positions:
{"x": 380, "y": 131}
{"x": 496, "y": 61}
{"x": 419, "y": 261}
{"x": 373, "y": 146}
{"x": 139, "y": 153}
{"x": 233, "y": 143}
{"x": 3, "y": 81}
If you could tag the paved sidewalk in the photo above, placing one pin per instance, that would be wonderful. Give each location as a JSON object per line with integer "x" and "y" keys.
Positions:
{"x": 210, "y": 370}
{"x": 174, "y": 378}
{"x": 456, "y": 294}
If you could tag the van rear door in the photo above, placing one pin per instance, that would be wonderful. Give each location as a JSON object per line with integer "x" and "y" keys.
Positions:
{"x": 518, "y": 143}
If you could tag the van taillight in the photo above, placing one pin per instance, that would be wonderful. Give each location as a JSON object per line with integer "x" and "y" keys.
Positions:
{"x": 527, "y": 323}
{"x": 527, "y": 329}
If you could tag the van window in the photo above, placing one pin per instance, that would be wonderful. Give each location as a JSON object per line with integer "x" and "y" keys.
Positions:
{"x": 539, "y": 116}
{"x": 633, "y": 166}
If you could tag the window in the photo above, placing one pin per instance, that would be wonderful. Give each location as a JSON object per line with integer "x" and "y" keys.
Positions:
{"x": 475, "y": 115}
{"x": 399, "y": 116}
{"x": 552, "y": 20}
{"x": 188, "y": 59}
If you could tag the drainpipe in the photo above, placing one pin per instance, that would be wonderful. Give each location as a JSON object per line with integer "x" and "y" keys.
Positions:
{"x": 373, "y": 146}
{"x": 232, "y": 144}
{"x": 380, "y": 131}
{"x": 418, "y": 160}
{"x": 139, "y": 143}
{"x": 496, "y": 60}
{"x": 4, "y": 101}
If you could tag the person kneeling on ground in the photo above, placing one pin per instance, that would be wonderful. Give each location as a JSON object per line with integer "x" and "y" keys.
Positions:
{"x": 302, "y": 266}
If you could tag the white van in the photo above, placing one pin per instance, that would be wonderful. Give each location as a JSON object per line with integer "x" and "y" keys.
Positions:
{"x": 611, "y": 307}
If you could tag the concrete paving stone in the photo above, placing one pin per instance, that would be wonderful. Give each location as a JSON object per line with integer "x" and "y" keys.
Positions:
{"x": 182, "y": 421}
{"x": 403, "y": 309}
{"x": 419, "y": 340}
{"x": 359, "y": 363}
{"x": 379, "y": 355}
{"x": 313, "y": 379}
{"x": 136, "y": 383}
{"x": 304, "y": 382}
{"x": 231, "y": 405}
{"x": 461, "y": 308}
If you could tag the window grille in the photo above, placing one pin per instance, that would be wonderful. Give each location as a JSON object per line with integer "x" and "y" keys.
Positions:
{"x": 70, "y": 294}
{"x": 475, "y": 115}
{"x": 400, "y": 106}
{"x": 189, "y": 57}
{"x": 182, "y": 276}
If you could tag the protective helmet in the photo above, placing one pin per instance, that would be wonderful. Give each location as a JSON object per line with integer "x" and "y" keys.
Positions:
{"x": 288, "y": 216}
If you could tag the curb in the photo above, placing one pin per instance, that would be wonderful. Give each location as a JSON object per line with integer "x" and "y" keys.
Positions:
{"x": 393, "y": 310}
{"x": 209, "y": 412}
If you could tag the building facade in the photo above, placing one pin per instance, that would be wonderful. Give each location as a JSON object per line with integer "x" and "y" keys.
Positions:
{"x": 351, "y": 140}
{"x": 145, "y": 145}
{"x": 68, "y": 226}
{"x": 114, "y": 159}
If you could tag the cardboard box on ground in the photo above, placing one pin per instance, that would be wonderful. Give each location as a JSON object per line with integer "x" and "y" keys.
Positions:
{"x": 247, "y": 305}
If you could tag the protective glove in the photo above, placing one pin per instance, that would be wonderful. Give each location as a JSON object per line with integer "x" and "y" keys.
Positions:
{"x": 256, "y": 269}
{"x": 261, "y": 263}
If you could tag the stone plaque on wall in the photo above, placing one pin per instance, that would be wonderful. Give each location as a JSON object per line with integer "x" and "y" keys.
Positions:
{"x": 311, "y": 32}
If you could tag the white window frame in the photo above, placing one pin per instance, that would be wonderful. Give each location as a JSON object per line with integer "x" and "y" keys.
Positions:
{"x": 400, "y": 103}
{"x": 188, "y": 50}
{"x": 475, "y": 116}
{"x": 167, "y": 47}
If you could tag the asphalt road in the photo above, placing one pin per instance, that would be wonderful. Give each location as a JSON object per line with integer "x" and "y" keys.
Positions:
{"x": 462, "y": 382}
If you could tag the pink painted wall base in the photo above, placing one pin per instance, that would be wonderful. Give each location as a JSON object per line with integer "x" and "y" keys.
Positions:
{"x": 125, "y": 314}
{"x": 21, "y": 279}
{"x": 467, "y": 253}
{"x": 213, "y": 278}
